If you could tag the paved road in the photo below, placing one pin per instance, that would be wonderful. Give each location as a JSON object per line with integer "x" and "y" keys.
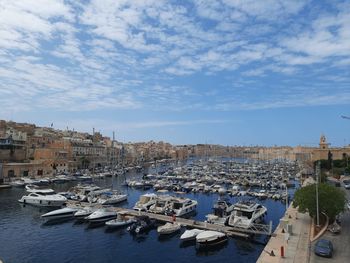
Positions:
{"x": 340, "y": 242}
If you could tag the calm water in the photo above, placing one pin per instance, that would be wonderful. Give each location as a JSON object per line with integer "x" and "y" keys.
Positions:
{"x": 24, "y": 237}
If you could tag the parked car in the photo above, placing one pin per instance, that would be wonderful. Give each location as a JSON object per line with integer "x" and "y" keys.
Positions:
{"x": 346, "y": 184}
{"x": 324, "y": 248}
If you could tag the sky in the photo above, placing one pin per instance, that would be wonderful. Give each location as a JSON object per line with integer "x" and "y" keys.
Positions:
{"x": 231, "y": 72}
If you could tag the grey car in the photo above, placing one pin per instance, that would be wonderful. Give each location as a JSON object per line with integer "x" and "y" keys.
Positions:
{"x": 346, "y": 184}
{"x": 324, "y": 248}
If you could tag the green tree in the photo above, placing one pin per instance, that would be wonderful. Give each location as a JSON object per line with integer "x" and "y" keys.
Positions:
{"x": 331, "y": 200}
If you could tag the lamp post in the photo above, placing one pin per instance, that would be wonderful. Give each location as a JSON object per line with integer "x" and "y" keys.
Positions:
{"x": 317, "y": 207}
{"x": 286, "y": 197}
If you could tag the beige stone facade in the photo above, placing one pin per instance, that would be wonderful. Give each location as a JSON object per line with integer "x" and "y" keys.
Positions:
{"x": 29, "y": 150}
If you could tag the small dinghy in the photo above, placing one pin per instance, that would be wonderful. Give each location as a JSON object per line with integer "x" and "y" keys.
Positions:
{"x": 210, "y": 238}
{"x": 120, "y": 221}
{"x": 168, "y": 228}
{"x": 189, "y": 235}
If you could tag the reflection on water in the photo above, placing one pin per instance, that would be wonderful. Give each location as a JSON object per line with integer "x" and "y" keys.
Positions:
{"x": 210, "y": 250}
{"x": 25, "y": 237}
{"x": 57, "y": 221}
{"x": 168, "y": 237}
{"x": 244, "y": 247}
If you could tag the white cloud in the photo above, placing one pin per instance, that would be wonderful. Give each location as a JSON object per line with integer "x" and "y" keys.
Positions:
{"x": 76, "y": 56}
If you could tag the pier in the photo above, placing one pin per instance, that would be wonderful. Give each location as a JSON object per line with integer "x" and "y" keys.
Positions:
{"x": 256, "y": 229}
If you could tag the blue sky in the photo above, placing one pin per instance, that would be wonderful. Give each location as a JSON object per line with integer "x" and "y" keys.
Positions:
{"x": 233, "y": 72}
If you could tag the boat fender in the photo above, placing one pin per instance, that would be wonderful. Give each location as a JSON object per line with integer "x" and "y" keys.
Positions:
{"x": 40, "y": 202}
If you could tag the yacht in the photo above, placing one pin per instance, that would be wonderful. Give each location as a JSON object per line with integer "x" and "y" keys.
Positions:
{"x": 222, "y": 210}
{"x": 181, "y": 206}
{"x": 17, "y": 183}
{"x": 31, "y": 188}
{"x": 161, "y": 206}
{"x": 111, "y": 198}
{"x": 42, "y": 197}
{"x": 145, "y": 202}
{"x": 101, "y": 215}
{"x": 63, "y": 213}
{"x": 246, "y": 213}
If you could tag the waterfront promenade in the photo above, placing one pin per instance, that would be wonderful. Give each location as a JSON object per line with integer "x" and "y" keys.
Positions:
{"x": 296, "y": 246}
{"x": 340, "y": 242}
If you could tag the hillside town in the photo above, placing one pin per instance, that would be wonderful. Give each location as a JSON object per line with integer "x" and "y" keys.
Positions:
{"x": 29, "y": 150}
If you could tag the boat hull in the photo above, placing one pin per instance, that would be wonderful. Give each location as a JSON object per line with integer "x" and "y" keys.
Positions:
{"x": 37, "y": 202}
{"x": 211, "y": 243}
{"x": 116, "y": 224}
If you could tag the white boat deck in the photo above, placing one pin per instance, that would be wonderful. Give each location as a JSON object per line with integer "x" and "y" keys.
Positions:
{"x": 230, "y": 231}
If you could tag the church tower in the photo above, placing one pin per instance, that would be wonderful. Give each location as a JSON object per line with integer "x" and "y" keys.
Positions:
{"x": 323, "y": 142}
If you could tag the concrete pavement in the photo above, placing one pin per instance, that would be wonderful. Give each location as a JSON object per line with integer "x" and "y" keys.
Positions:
{"x": 296, "y": 246}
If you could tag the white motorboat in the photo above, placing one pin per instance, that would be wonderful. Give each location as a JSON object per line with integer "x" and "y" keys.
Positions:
{"x": 17, "y": 183}
{"x": 161, "y": 205}
{"x": 168, "y": 228}
{"x": 110, "y": 198}
{"x": 246, "y": 213}
{"x": 222, "y": 210}
{"x": 101, "y": 215}
{"x": 181, "y": 206}
{"x": 43, "y": 198}
{"x": 29, "y": 181}
{"x": 84, "y": 212}
{"x": 189, "y": 235}
{"x": 222, "y": 191}
{"x": 120, "y": 221}
{"x": 262, "y": 194}
{"x": 63, "y": 213}
{"x": 36, "y": 189}
{"x": 235, "y": 190}
{"x": 145, "y": 202}
{"x": 210, "y": 238}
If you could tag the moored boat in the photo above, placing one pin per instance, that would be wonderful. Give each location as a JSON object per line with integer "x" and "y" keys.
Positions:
{"x": 84, "y": 212}
{"x": 120, "y": 221}
{"x": 63, "y": 213}
{"x": 101, "y": 215}
{"x": 246, "y": 213}
{"x": 210, "y": 238}
{"x": 145, "y": 202}
{"x": 168, "y": 228}
{"x": 42, "y": 197}
{"x": 191, "y": 234}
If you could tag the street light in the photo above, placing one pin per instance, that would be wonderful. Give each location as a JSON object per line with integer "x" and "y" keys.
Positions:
{"x": 317, "y": 207}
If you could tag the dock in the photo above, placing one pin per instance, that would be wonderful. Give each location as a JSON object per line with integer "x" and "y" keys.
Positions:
{"x": 258, "y": 229}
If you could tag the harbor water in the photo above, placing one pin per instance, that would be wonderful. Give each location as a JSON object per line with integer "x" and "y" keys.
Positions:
{"x": 24, "y": 237}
